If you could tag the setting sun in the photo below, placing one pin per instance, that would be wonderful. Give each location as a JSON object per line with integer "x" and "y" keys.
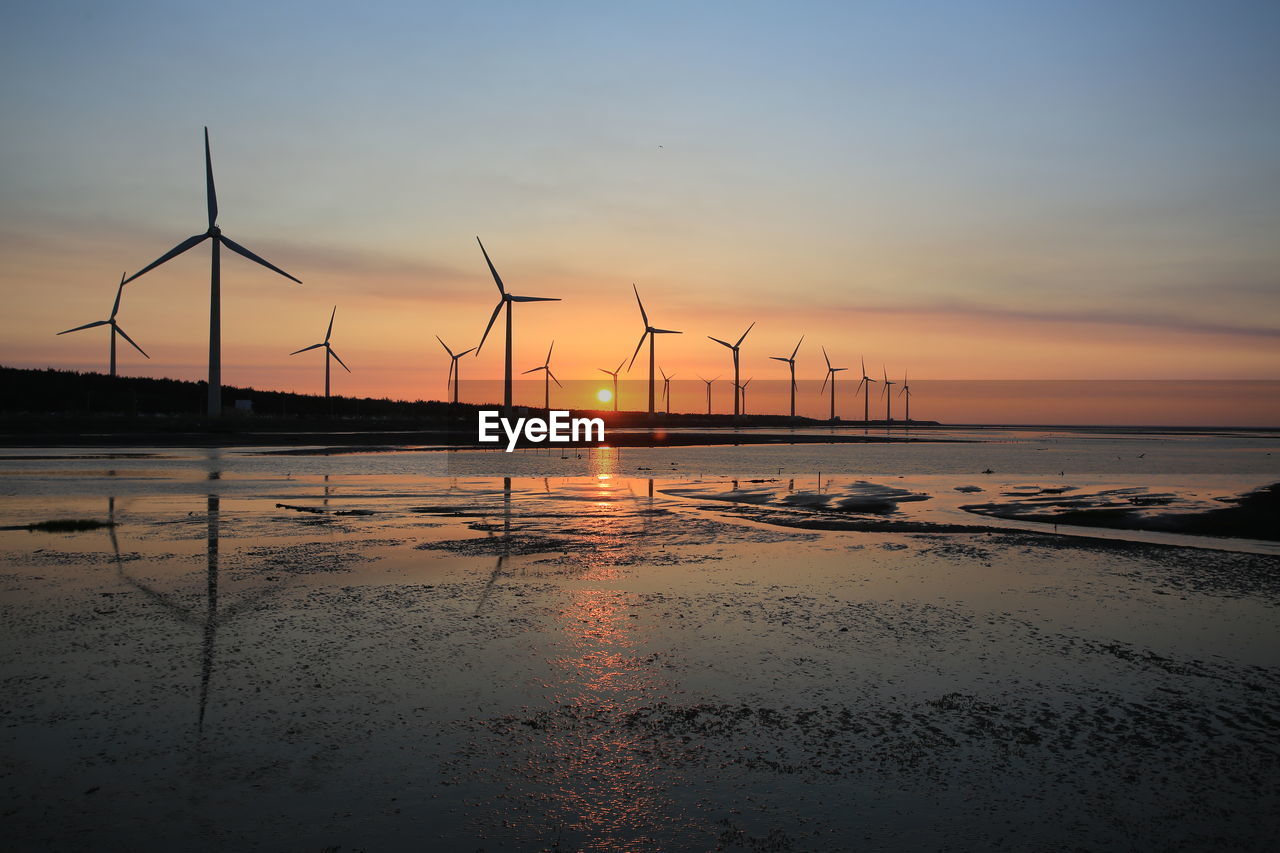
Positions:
{"x": 604, "y": 395}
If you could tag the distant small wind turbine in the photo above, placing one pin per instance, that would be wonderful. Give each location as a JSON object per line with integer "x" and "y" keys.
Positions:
{"x": 906, "y": 389}
{"x": 506, "y": 299}
{"x": 864, "y": 385}
{"x": 115, "y": 327}
{"x": 548, "y": 378}
{"x": 709, "y": 381}
{"x": 742, "y": 389}
{"x": 666, "y": 388}
{"x": 453, "y": 367}
{"x": 734, "y": 348}
{"x": 328, "y": 351}
{"x": 888, "y": 397}
{"x": 831, "y": 374}
{"x": 614, "y": 374}
{"x": 649, "y": 332}
{"x": 218, "y": 239}
{"x": 792, "y": 363}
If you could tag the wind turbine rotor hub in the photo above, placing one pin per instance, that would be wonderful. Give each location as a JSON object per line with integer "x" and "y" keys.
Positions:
{"x": 214, "y": 231}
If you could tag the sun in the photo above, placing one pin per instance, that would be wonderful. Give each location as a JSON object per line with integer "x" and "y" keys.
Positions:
{"x": 604, "y": 395}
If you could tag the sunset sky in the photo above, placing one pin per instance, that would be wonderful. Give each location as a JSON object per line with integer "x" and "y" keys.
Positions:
{"x": 987, "y": 190}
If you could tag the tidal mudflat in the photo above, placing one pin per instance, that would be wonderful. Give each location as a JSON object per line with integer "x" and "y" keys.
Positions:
{"x": 288, "y": 653}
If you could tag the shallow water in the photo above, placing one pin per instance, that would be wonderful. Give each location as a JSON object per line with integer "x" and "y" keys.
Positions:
{"x": 616, "y": 657}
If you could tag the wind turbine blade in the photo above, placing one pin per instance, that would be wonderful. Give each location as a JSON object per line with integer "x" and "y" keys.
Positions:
{"x": 461, "y": 354}
{"x": 553, "y": 377}
{"x": 643, "y": 316}
{"x": 330, "y": 330}
{"x": 87, "y": 326}
{"x": 664, "y": 374}
{"x": 534, "y": 298}
{"x": 497, "y": 279}
{"x": 744, "y": 335}
{"x": 780, "y": 358}
{"x": 619, "y": 370}
{"x": 602, "y": 370}
{"x": 797, "y": 349}
{"x": 453, "y": 365}
{"x": 824, "y": 381}
{"x": 886, "y": 373}
{"x": 838, "y": 369}
{"x": 492, "y": 319}
{"x": 861, "y": 382}
{"x": 119, "y": 290}
{"x": 549, "y": 349}
{"x": 236, "y": 247}
{"x": 211, "y": 194}
{"x": 666, "y": 332}
{"x": 533, "y": 370}
{"x": 446, "y": 346}
{"x": 637, "y": 352}
{"x": 125, "y": 335}
{"x": 864, "y": 366}
{"x": 339, "y": 358}
{"x": 825, "y": 358}
{"x": 722, "y": 343}
{"x": 172, "y": 253}
{"x": 304, "y": 349}
{"x": 903, "y": 391}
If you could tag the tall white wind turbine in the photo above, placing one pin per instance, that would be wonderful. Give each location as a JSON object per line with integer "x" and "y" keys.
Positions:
{"x": 115, "y": 327}
{"x": 453, "y": 366}
{"x": 831, "y": 374}
{"x": 548, "y": 378}
{"x": 217, "y": 239}
{"x": 505, "y": 300}
{"x": 328, "y": 352}
{"x": 792, "y": 363}
{"x": 650, "y": 332}
{"x": 614, "y": 374}
{"x": 737, "y": 410}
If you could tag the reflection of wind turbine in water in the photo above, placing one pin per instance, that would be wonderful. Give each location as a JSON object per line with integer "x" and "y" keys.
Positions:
{"x": 328, "y": 352}
{"x": 505, "y": 301}
{"x": 734, "y": 348}
{"x": 666, "y": 388}
{"x": 709, "y": 381}
{"x": 865, "y": 386}
{"x": 614, "y": 374}
{"x": 217, "y": 239}
{"x": 115, "y": 327}
{"x": 888, "y": 397}
{"x": 547, "y": 379}
{"x": 650, "y": 332}
{"x": 453, "y": 367}
{"x": 506, "y": 544}
{"x": 831, "y": 374}
{"x": 906, "y": 389}
{"x": 791, "y": 362}
{"x": 213, "y": 615}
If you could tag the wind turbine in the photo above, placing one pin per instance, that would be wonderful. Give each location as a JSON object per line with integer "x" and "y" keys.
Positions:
{"x": 507, "y": 299}
{"x": 888, "y": 397}
{"x": 548, "y": 379}
{"x": 666, "y": 388}
{"x": 709, "y": 381}
{"x": 734, "y": 348}
{"x": 453, "y": 366}
{"x": 328, "y": 351}
{"x": 742, "y": 389}
{"x": 792, "y": 362}
{"x": 906, "y": 389}
{"x": 115, "y": 327}
{"x": 866, "y": 394}
{"x": 614, "y": 374}
{"x": 649, "y": 332}
{"x": 215, "y": 236}
{"x": 831, "y": 374}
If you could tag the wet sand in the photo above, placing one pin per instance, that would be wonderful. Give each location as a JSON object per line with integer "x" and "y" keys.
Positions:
{"x": 578, "y": 664}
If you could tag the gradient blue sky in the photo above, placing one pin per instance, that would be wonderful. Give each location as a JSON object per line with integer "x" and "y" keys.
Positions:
{"x": 967, "y": 190}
